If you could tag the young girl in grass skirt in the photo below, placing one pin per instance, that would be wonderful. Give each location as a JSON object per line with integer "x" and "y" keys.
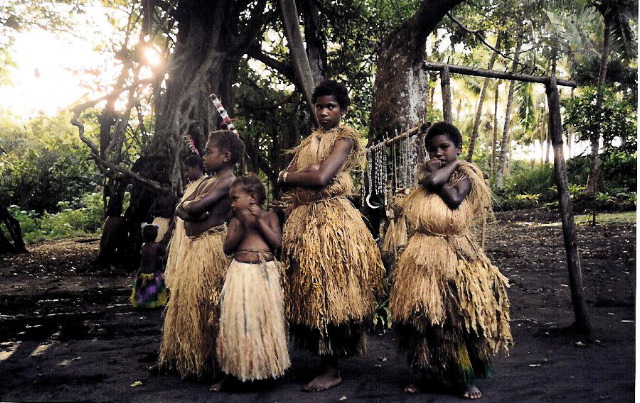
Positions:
{"x": 194, "y": 173}
{"x": 333, "y": 265}
{"x": 149, "y": 290}
{"x": 448, "y": 302}
{"x": 191, "y": 317}
{"x": 252, "y": 341}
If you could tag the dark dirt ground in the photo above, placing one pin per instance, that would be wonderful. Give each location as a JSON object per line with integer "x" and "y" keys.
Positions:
{"x": 67, "y": 332}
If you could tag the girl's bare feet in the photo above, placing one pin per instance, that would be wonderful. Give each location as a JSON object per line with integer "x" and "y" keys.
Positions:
{"x": 328, "y": 378}
{"x": 217, "y": 387}
{"x": 472, "y": 392}
{"x": 411, "y": 389}
{"x": 324, "y": 381}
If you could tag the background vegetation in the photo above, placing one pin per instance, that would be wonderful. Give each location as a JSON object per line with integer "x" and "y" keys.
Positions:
{"x": 57, "y": 187}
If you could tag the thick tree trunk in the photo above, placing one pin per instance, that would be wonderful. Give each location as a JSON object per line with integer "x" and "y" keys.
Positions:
{"x": 301, "y": 66}
{"x": 400, "y": 89}
{"x": 582, "y": 323}
{"x": 314, "y": 40}
{"x": 478, "y": 117}
{"x": 210, "y": 42}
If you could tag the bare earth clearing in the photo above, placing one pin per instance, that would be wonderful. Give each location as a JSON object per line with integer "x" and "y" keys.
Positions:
{"x": 67, "y": 332}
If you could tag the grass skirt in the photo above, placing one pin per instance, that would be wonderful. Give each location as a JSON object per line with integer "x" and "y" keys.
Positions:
{"x": 451, "y": 322}
{"x": 334, "y": 271}
{"x": 178, "y": 239}
{"x": 148, "y": 291}
{"x": 191, "y": 316}
{"x": 163, "y": 226}
{"x": 448, "y": 301}
{"x": 252, "y": 342}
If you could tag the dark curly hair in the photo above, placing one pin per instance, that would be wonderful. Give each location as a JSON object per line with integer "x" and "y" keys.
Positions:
{"x": 194, "y": 161}
{"x": 331, "y": 87}
{"x": 444, "y": 129}
{"x": 252, "y": 185}
{"x": 149, "y": 232}
{"x": 226, "y": 140}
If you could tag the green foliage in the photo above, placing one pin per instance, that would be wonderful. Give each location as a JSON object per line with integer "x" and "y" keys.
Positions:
{"x": 528, "y": 188}
{"x": 618, "y": 173}
{"x": 43, "y": 163}
{"x": 614, "y": 118}
{"x": 85, "y": 219}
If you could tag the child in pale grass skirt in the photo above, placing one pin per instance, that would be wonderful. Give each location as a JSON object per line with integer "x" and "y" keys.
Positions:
{"x": 149, "y": 290}
{"x": 252, "y": 340}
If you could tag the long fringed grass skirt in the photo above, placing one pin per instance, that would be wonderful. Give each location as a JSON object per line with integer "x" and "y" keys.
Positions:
{"x": 450, "y": 307}
{"x": 252, "y": 341}
{"x": 191, "y": 316}
{"x": 178, "y": 239}
{"x": 333, "y": 270}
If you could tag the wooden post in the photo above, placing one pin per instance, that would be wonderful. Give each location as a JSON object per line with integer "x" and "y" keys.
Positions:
{"x": 445, "y": 83}
{"x": 582, "y": 323}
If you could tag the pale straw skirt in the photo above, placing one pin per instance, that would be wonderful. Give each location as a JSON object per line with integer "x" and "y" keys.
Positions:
{"x": 252, "y": 341}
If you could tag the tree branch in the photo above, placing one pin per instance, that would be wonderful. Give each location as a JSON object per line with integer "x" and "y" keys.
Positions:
{"x": 283, "y": 68}
{"x": 479, "y": 35}
{"x": 95, "y": 154}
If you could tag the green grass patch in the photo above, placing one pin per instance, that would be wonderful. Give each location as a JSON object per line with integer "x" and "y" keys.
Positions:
{"x": 625, "y": 217}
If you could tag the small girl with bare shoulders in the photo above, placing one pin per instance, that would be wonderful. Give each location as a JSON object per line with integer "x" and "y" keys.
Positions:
{"x": 149, "y": 290}
{"x": 252, "y": 340}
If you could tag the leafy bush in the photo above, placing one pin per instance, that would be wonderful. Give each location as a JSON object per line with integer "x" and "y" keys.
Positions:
{"x": 86, "y": 219}
{"x": 529, "y": 188}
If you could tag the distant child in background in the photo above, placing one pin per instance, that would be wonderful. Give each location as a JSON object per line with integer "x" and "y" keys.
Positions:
{"x": 149, "y": 290}
{"x": 448, "y": 302}
{"x": 162, "y": 210}
{"x": 194, "y": 174}
{"x": 191, "y": 318}
{"x": 252, "y": 341}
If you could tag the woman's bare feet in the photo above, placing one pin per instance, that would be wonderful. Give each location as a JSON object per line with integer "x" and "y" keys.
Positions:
{"x": 217, "y": 387}
{"x": 472, "y": 392}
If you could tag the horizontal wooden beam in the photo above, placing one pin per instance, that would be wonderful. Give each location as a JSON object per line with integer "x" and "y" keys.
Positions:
{"x": 472, "y": 71}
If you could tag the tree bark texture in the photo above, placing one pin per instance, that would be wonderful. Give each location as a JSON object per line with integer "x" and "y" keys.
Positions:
{"x": 211, "y": 39}
{"x": 301, "y": 66}
{"x": 400, "y": 89}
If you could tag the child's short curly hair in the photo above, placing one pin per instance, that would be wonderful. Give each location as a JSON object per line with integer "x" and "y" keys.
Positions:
{"x": 252, "y": 185}
{"x": 332, "y": 87}
{"x": 444, "y": 129}
{"x": 226, "y": 140}
{"x": 149, "y": 232}
{"x": 194, "y": 161}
